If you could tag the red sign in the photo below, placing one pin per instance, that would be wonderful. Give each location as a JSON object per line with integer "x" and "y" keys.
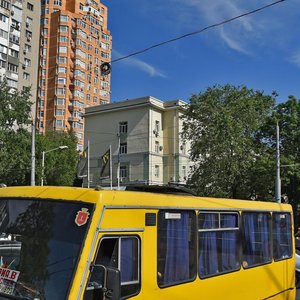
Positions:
{"x": 82, "y": 217}
{"x": 8, "y": 274}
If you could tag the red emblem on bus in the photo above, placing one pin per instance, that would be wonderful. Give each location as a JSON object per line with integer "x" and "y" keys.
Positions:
{"x": 82, "y": 217}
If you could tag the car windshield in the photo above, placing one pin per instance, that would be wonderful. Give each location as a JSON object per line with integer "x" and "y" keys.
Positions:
{"x": 40, "y": 242}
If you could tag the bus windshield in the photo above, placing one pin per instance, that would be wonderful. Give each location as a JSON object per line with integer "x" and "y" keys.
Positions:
{"x": 40, "y": 243}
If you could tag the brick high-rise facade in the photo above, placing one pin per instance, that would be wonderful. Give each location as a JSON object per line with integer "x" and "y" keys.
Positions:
{"x": 75, "y": 42}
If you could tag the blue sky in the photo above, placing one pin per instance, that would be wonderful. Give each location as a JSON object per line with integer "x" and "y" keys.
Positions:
{"x": 260, "y": 51}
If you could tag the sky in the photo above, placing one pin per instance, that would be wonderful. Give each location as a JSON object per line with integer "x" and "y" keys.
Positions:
{"x": 260, "y": 51}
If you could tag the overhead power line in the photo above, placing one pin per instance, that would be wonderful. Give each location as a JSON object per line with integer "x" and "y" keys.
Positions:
{"x": 198, "y": 31}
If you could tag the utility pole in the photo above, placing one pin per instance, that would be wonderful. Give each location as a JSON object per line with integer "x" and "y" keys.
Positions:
{"x": 119, "y": 163}
{"x": 278, "y": 180}
{"x": 32, "y": 182}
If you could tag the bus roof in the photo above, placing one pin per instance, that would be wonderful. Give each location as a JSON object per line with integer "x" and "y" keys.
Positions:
{"x": 136, "y": 198}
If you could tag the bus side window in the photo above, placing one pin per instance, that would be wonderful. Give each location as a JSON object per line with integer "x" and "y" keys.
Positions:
{"x": 123, "y": 253}
{"x": 218, "y": 243}
{"x": 256, "y": 231}
{"x": 282, "y": 235}
{"x": 176, "y": 242}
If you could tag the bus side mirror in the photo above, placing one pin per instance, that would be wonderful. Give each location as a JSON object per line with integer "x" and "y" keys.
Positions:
{"x": 104, "y": 283}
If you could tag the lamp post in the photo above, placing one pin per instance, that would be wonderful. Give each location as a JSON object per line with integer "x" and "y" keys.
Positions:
{"x": 278, "y": 180}
{"x": 43, "y": 159}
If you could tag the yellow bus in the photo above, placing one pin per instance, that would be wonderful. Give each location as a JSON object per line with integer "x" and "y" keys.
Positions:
{"x": 61, "y": 243}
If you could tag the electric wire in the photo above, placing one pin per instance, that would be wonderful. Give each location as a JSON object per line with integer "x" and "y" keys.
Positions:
{"x": 197, "y": 31}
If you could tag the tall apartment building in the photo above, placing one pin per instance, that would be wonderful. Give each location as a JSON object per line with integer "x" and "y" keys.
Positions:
{"x": 19, "y": 44}
{"x": 145, "y": 141}
{"x": 75, "y": 42}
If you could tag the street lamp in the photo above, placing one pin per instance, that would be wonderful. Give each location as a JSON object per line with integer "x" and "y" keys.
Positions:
{"x": 278, "y": 180}
{"x": 43, "y": 159}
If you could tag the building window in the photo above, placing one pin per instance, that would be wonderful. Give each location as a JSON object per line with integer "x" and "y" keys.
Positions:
{"x": 62, "y": 70}
{"x": 156, "y": 147}
{"x": 26, "y": 76}
{"x": 28, "y": 35}
{"x": 60, "y": 112}
{"x": 60, "y": 101}
{"x": 60, "y": 91}
{"x": 62, "y": 49}
{"x": 123, "y": 148}
{"x": 3, "y": 18}
{"x": 27, "y": 48}
{"x": 123, "y": 172}
{"x": 61, "y": 80}
{"x": 3, "y": 49}
{"x": 63, "y": 28}
{"x": 27, "y": 62}
{"x": 12, "y": 83}
{"x": 59, "y": 123}
{"x": 156, "y": 171}
{"x": 13, "y": 68}
{"x": 29, "y": 21}
{"x": 2, "y": 64}
{"x": 184, "y": 172}
{"x": 62, "y": 59}
{"x": 63, "y": 39}
{"x": 123, "y": 127}
{"x": 12, "y": 52}
{"x": 156, "y": 128}
{"x": 29, "y": 6}
{"x": 3, "y": 33}
{"x": 44, "y": 21}
{"x": 5, "y": 4}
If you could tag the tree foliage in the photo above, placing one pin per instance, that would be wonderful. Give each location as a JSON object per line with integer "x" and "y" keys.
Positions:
{"x": 223, "y": 124}
{"x": 15, "y": 107}
{"x": 287, "y": 114}
{"x": 15, "y": 144}
{"x": 60, "y": 165}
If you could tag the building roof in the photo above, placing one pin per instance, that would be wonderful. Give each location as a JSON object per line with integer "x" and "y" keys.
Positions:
{"x": 134, "y": 103}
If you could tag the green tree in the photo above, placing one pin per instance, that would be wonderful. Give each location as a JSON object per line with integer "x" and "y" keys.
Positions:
{"x": 15, "y": 109}
{"x": 60, "y": 165}
{"x": 287, "y": 114}
{"x": 15, "y": 144}
{"x": 223, "y": 124}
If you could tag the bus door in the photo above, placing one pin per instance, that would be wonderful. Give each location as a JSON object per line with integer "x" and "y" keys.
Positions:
{"x": 115, "y": 270}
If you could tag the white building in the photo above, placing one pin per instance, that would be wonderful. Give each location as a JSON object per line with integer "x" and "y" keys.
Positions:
{"x": 19, "y": 44}
{"x": 148, "y": 130}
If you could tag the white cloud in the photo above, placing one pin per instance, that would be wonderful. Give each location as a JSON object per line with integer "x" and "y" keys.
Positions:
{"x": 141, "y": 65}
{"x": 295, "y": 59}
{"x": 211, "y": 12}
{"x": 232, "y": 43}
{"x": 246, "y": 32}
